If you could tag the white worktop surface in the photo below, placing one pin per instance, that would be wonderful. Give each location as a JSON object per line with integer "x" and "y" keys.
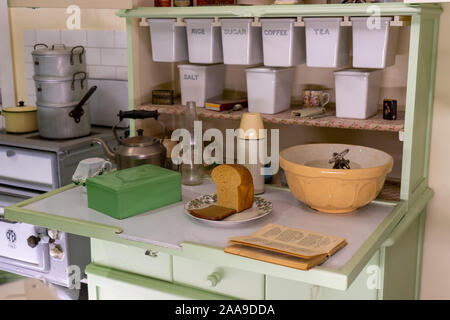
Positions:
{"x": 170, "y": 226}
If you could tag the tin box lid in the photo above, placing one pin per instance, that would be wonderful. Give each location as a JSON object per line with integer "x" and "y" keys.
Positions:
{"x": 57, "y": 50}
{"x": 356, "y": 72}
{"x": 144, "y": 176}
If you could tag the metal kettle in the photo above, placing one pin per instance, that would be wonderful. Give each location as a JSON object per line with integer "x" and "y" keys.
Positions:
{"x": 137, "y": 150}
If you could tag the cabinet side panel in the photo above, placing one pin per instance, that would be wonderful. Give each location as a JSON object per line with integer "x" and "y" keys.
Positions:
{"x": 400, "y": 266}
{"x": 421, "y": 72}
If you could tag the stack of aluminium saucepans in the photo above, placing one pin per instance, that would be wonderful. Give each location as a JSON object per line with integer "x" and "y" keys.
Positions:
{"x": 61, "y": 91}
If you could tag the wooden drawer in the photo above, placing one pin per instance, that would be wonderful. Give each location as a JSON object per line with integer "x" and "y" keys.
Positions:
{"x": 132, "y": 259}
{"x": 364, "y": 287}
{"x": 111, "y": 284}
{"x": 223, "y": 280}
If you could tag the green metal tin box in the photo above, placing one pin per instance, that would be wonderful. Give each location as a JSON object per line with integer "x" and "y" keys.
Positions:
{"x": 125, "y": 193}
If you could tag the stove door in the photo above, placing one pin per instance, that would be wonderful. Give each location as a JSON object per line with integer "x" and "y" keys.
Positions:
{"x": 14, "y": 247}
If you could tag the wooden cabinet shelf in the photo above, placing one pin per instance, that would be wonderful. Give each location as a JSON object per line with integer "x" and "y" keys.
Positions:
{"x": 329, "y": 120}
{"x": 84, "y": 4}
{"x": 359, "y": 9}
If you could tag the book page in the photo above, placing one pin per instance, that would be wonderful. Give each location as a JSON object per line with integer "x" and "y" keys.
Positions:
{"x": 275, "y": 257}
{"x": 300, "y": 243}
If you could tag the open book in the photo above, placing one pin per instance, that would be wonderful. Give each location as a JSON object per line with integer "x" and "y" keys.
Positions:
{"x": 285, "y": 246}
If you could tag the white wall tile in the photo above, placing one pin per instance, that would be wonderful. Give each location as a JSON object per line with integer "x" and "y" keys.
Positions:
{"x": 114, "y": 57}
{"x": 48, "y": 36}
{"x": 100, "y": 38}
{"x": 101, "y": 72}
{"x": 31, "y": 100}
{"x": 27, "y": 53}
{"x": 74, "y": 37}
{"x": 93, "y": 56}
{"x": 110, "y": 97}
{"x": 121, "y": 73}
{"x": 29, "y": 70}
{"x": 120, "y": 39}
{"x": 29, "y": 37}
{"x": 31, "y": 89}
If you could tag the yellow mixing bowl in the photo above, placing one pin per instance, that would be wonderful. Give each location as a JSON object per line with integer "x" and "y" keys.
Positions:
{"x": 312, "y": 180}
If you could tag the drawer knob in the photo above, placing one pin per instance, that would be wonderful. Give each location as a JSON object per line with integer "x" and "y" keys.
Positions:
{"x": 151, "y": 253}
{"x": 213, "y": 279}
{"x": 10, "y": 153}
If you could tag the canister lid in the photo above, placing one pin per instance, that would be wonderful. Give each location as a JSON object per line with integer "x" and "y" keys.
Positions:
{"x": 355, "y": 72}
{"x": 56, "y": 50}
{"x": 20, "y": 108}
{"x": 268, "y": 69}
{"x": 194, "y": 66}
{"x": 60, "y": 79}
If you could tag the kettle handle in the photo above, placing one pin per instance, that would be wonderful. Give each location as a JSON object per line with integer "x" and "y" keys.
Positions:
{"x": 138, "y": 114}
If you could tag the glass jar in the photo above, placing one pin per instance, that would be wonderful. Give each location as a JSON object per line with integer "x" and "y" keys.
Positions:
{"x": 191, "y": 173}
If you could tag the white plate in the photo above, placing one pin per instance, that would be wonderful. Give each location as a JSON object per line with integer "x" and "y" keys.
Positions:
{"x": 260, "y": 209}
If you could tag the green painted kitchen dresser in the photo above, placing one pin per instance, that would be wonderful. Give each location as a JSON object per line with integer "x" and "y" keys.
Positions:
{"x": 162, "y": 254}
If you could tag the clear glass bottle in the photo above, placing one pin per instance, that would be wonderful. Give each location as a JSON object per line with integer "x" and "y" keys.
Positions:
{"x": 191, "y": 173}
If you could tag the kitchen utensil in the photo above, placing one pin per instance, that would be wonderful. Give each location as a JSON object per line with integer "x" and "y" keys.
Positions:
{"x": 260, "y": 209}
{"x": 312, "y": 179}
{"x": 308, "y": 112}
{"x": 20, "y": 119}
{"x": 124, "y": 193}
{"x": 65, "y": 121}
{"x": 269, "y": 89}
{"x": 58, "y": 61}
{"x": 357, "y": 92}
{"x": 88, "y": 168}
{"x": 137, "y": 150}
{"x": 60, "y": 90}
{"x": 78, "y": 111}
{"x": 55, "y": 122}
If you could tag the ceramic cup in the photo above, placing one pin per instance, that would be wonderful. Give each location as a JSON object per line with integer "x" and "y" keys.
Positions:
{"x": 315, "y": 98}
{"x": 88, "y": 168}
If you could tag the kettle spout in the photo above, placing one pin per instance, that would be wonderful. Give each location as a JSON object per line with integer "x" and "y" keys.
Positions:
{"x": 106, "y": 149}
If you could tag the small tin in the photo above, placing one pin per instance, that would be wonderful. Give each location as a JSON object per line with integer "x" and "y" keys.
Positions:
{"x": 162, "y": 97}
{"x": 389, "y": 109}
{"x": 163, "y": 3}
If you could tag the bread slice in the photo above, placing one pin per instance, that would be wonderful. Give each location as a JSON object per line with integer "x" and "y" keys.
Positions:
{"x": 234, "y": 186}
{"x": 212, "y": 212}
